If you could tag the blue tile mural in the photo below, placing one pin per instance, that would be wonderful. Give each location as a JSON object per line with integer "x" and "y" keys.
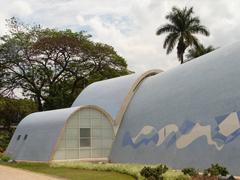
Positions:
{"x": 226, "y": 130}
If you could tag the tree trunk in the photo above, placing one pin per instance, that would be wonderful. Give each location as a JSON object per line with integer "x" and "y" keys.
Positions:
{"x": 181, "y": 49}
{"x": 181, "y": 58}
{"x": 39, "y": 103}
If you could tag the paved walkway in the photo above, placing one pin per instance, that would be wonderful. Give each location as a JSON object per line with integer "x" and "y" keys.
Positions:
{"x": 9, "y": 173}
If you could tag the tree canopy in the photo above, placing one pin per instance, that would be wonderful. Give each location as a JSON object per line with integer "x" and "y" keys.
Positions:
{"x": 197, "y": 51}
{"x": 53, "y": 66}
{"x": 14, "y": 110}
{"x": 182, "y": 29}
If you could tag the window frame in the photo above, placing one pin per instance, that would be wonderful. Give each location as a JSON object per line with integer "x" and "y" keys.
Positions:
{"x": 85, "y": 138}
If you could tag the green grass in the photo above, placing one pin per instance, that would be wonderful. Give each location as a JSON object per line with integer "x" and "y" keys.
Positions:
{"x": 75, "y": 170}
{"x": 69, "y": 172}
{"x": 129, "y": 169}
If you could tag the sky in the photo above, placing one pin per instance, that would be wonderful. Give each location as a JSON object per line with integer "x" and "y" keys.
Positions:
{"x": 128, "y": 25}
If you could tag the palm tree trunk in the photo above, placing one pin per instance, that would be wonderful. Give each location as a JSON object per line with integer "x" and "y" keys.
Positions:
{"x": 181, "y": 58}
{"x": 180, "y": 49}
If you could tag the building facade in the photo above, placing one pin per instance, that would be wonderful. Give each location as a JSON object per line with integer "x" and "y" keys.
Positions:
{"x": 185, "y": 117}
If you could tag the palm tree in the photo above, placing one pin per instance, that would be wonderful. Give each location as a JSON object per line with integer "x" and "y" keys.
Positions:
{"x": 197, "y": 51}
{"x": 182, "y": 29}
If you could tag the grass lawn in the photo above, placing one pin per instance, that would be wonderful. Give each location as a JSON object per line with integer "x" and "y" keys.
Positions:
{"x": 70, "y": 173}
{"x": 130, "y": 169}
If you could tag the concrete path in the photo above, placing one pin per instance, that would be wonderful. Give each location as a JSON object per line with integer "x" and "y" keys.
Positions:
{"x": 9, "y": 173}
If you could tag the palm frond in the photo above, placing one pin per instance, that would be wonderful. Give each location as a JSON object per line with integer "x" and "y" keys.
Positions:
{"x": 166, "y": 28}
{"x": 199, "y": 29}
{"x": 171, "y": 43}
{"x": 169, "y": 38}
{"x": 191, "y": 21}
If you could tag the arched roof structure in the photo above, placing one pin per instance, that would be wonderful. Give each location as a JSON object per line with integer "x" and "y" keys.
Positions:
{"x": 43, "y": 130}
{"x": 113, "y": 95}
{"x": 188, "y": 116}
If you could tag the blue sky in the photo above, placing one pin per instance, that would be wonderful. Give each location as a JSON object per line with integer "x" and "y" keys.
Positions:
{"x": 128, "y": 25}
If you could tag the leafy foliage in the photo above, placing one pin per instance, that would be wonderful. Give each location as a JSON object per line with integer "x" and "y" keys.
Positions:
{"x": 53, "y": 66}
{"x": 216, "y": 170}
{"x": 4, "y": 158}
{"x": 4, "y": 140}
{"x": 199, "y": 50}
{"x": 182, "y": 29}
{"x": 151, "y": 173}
{"x": 190, "y": 171}
{"x": 13, "y": 110}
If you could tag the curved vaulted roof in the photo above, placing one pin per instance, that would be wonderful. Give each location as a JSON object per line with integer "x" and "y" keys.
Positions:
{"x": 185, "y": 114}
{"x": 110, "y": 97}
{"x": 113, "y": 95}
{"x": 43, "y": 130}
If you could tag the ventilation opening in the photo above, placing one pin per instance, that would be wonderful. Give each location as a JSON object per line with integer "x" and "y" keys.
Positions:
{"x": 25, "y": 137}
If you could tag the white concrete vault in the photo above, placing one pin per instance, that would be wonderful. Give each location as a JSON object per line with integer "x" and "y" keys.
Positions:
{"x": 52, "y": 133}
{"x": 85, "y": 131}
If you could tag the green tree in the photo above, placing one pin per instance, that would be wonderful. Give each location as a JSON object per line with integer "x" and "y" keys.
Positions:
{"x": 12, "y": 111}
{"x": 53, "y": 66}
{"x": 197, "y": 51}
{"x": 181, "y": 29}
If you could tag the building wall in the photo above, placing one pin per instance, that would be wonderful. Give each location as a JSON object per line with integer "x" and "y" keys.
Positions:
{"x": 42, "y": 130}
{"x": 187, "y": 116}
{"x": 88, "y": 134}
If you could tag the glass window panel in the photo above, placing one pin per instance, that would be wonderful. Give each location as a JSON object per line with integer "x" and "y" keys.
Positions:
{"x": 72, "y": 133}
{"x": 97, "y": 153}
{"x": 96, "y": 143}
{"x": 73, "y": 121}
{"x": 84, "y": 113}
{"x": 95, "y": 115}
{"x": 96, "y": 132}
{"x": 71, "y": 143}
{"x": 107, "y": 133}
{"x": 107, "y": 143}
{"x": 77, "y": 141}
{"x": 85, "y": 153}
{"x": 85, "y": 122}
{"x": 105, "y": 123}
{"x": 85, "y": 132}
{"x": 72, "y": 153}
{"x": 86, "y": 142}
{"x": 96, "y": 122}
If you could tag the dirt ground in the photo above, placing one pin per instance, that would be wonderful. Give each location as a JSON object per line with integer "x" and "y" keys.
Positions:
{"x": 9, "y": 173}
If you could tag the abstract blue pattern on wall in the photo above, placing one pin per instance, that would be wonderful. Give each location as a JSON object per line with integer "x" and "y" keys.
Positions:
{"x": 227, "y": 129}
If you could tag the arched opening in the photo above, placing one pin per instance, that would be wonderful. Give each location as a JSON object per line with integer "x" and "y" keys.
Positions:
{"x": 88, "y": 135}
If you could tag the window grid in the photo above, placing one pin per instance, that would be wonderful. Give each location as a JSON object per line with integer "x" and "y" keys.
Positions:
{"x": 100, "y": 131}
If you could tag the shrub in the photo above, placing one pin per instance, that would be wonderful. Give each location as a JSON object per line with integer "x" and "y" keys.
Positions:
{"x": 151, "y": 173}
{"x": 4, "y": 140}
{"x": 216, "y": 170}
{"x": 190, "y": 171}
{"x": 182, "y": 177}
{"x": 5, "y": 158}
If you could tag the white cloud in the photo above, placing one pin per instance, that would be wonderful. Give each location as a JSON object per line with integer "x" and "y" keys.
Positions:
{"x": 129, "y": 25}
{"x": 21, "y": 8}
